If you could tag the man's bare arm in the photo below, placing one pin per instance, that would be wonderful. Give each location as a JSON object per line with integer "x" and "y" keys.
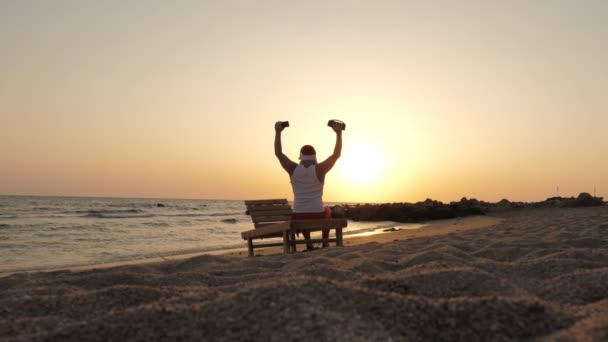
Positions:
{"x": 329, "y": 163}
{"x": 286, "y": 163}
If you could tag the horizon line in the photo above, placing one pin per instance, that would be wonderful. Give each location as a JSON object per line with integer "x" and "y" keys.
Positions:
{"x": 237, "y": 200}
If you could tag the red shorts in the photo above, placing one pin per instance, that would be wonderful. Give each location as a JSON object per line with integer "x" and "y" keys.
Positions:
{"x": 326, "y": 214}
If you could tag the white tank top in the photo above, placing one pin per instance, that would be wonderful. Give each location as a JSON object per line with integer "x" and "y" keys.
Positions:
{"x": 307, "y": 190}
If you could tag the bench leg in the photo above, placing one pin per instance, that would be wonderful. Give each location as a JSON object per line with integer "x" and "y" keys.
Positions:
{"x": 339, "y": 237}
{"x": 250, "y": 246}
{"x": 285, "y": 242}
{"x": 292, "y": 245}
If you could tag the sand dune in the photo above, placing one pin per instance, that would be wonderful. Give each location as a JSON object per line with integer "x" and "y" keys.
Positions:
{"x": 540, "y": 274}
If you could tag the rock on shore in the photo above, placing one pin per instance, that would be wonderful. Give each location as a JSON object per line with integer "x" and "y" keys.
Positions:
{"x": 433, "y": 210}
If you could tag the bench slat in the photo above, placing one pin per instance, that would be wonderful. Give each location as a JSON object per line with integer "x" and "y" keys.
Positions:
{"x": 262, "y": 245}
{"x": 266, "y": 202}
{"x": 264, "y": 224}
{"x": 270, "y": 213}
{"x": 276, "y": 228}
{"x": 301, "y": 242}
{"x": 257, "y": 208}
{"x": 318, "y": 224}
{"x": 268, "y": 236}
{"x": 277, "y": 218}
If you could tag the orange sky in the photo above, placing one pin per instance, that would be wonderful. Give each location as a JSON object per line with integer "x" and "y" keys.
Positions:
{"x": 153, "y": 99}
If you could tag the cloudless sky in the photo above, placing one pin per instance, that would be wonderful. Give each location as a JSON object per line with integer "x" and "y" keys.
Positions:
{"x": 442, "y": 99}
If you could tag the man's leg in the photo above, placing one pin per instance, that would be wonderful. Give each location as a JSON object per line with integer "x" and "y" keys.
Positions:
{"x": 325, "y": 236}
{"x": 307, "y": 237}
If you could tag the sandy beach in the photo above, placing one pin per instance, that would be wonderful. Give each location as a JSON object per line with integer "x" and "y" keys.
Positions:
{"x": 524, "y": 274}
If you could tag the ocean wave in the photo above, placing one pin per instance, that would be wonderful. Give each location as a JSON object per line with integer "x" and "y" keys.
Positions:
{"x": 2, "y": 225}
{"x": 184, "y": 215}
{"x": 199, "y": 215}
{"x": 155, "y": 205}
{"x": 360, "y": 231}
{"x": 156, "y": 224}
{"x": 124, "y": 211}
{"x": 230, "y": 220}
{"x": 134, "y": 213}
{"x": 44, "y": 216}
{"x": 180, "y": 208}
{"x": 131, "y": 205}
{"x": 186, "y": 208}
{"x": 103, "y": 215}
{"x": 113, "y": 213}
{"x": 226, "y": 214}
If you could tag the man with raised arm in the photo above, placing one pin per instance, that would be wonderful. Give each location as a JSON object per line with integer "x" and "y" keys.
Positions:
{"x": 307, "y": 178}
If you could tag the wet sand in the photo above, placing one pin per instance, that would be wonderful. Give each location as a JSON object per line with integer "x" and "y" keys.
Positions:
{"x": 528, "y": 274}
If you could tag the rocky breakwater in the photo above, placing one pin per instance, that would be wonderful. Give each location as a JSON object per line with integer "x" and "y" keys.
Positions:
{"x": 434, "y": 210}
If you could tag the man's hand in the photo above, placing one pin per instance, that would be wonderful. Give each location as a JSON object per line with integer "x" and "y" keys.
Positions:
{"x": 337, "y": 127}
{"x": 286, "y": 163}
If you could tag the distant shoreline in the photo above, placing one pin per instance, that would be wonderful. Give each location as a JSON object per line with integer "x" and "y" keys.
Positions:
{"x": 339, "y": 202}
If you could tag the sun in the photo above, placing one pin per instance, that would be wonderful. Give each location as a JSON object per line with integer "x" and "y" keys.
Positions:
{"x": 362, "y": 163}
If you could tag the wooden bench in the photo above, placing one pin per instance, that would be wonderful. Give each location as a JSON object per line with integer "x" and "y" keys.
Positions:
{"x": 272, "y": 218}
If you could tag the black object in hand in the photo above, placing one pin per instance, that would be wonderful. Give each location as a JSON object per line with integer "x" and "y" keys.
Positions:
{"x": 331, "y": 122}
{"x": 284, "y": 124}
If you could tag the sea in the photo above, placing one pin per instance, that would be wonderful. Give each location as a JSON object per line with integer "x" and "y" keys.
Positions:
{"x": 43, "y": 233}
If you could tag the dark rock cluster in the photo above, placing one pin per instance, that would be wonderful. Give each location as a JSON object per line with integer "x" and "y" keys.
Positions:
{"x": 434, "y": 210}
{"x": 583, "y": 200}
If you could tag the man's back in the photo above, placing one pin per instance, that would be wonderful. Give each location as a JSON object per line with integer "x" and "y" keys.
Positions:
{"x": 307, "y": 189}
